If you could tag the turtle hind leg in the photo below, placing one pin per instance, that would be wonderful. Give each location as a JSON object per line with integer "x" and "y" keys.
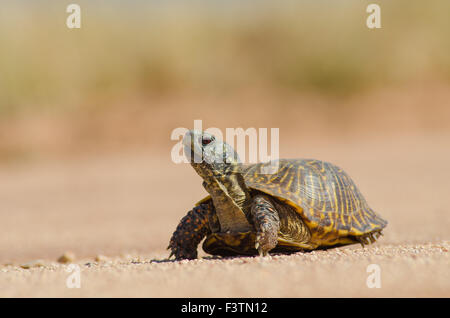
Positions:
{"x": 368, "y": 238}
{"x": 190, "y": 232}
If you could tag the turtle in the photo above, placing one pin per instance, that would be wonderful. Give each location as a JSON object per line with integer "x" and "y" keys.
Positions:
{"x": 304, "y": 205}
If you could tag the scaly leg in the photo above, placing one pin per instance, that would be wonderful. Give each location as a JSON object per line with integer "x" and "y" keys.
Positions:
{"x": 191, "y": 230}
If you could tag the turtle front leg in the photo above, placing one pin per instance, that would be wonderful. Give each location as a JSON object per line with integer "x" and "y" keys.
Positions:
{"x": 267, "y": 224}
{"x": 190, "y": 232}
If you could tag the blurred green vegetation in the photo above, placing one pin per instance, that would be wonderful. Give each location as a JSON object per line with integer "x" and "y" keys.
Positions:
{"x": 213, "y": 47}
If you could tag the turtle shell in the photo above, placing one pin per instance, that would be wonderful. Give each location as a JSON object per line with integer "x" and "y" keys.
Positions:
{"x": 324, "y": 195}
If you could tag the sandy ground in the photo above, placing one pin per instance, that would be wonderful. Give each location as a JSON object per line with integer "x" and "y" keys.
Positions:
{"x": 126, "y": 207}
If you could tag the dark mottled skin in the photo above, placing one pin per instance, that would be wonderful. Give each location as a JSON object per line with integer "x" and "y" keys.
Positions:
{"x": 191, "y": 230}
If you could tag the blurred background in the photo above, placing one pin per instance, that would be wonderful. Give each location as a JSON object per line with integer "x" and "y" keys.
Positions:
{"x": 86, "y": 114}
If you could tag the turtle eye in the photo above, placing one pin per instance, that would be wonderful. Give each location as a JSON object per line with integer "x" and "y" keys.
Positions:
{"x": 206, "y": 140}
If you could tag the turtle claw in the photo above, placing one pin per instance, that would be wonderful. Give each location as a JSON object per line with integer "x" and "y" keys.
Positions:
{"x": 171, "y": 253}
{"x": 262, "y": 253}
{"x": 262, "y": 245}
{"x": 260, "y": 250}
{"x": 181, "y": 253}
{"x": 368, "y": 238}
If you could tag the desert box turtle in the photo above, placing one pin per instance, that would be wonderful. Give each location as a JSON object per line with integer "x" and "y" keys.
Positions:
{"x": 306, "y": 205}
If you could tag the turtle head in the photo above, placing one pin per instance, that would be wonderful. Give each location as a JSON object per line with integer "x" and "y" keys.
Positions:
{"x": 218, "y": 165}
{"x": 208, "y": 155}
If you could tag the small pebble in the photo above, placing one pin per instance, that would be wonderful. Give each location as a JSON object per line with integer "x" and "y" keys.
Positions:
{"x": 67, "y": 257}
